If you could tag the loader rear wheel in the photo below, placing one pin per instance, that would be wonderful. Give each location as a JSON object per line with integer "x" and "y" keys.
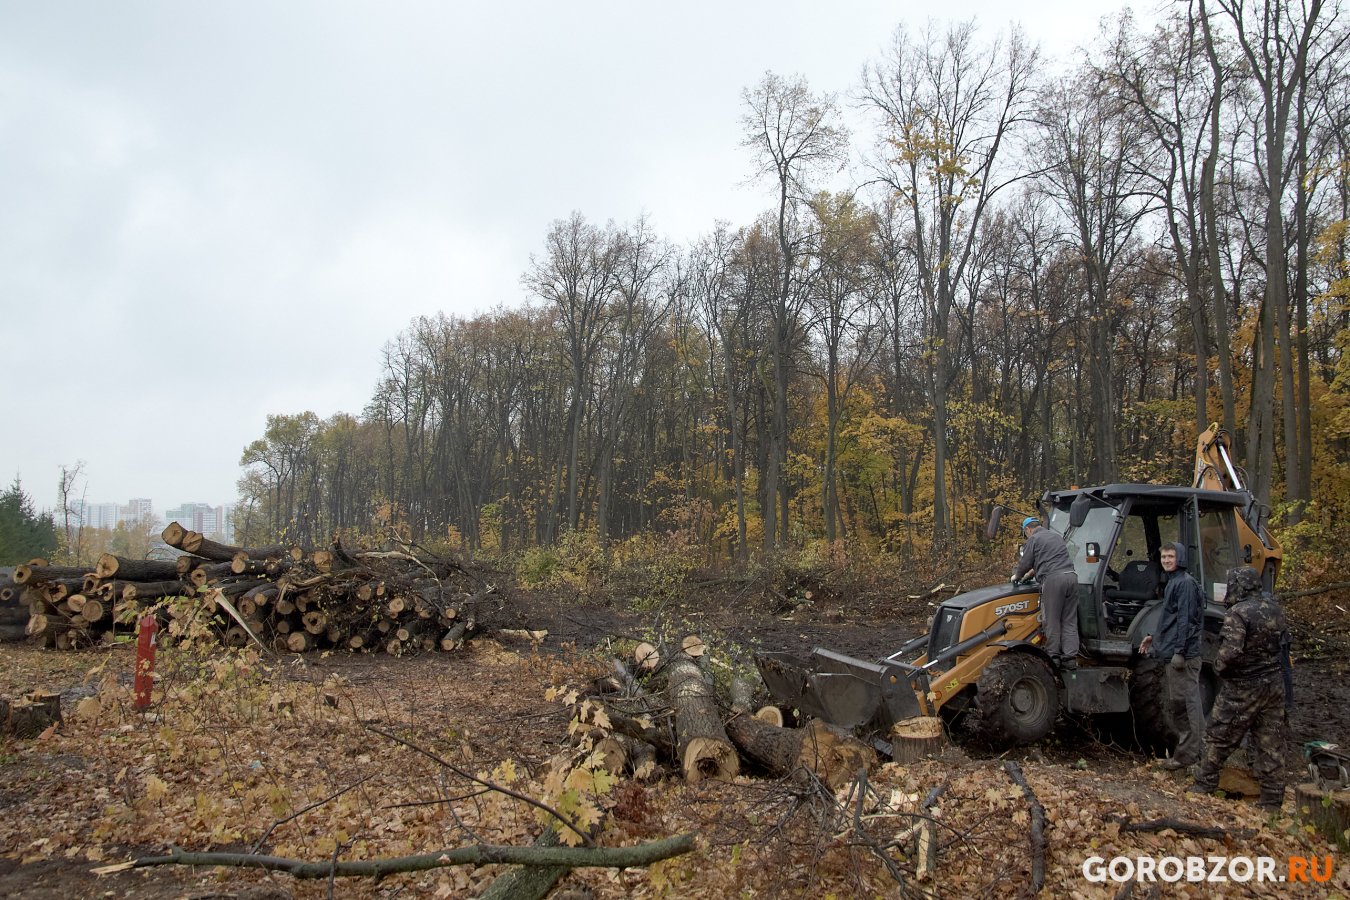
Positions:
{"x": 1148, "y": 725}
{"x": 1018, "y": 700}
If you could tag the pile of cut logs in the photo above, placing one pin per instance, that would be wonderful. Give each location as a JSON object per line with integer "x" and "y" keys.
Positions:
{"x": 289, "y": 598}
{"x": 662, "y": 707}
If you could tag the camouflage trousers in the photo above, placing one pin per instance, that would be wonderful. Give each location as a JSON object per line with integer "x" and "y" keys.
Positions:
{"x": 1255, "y": 706}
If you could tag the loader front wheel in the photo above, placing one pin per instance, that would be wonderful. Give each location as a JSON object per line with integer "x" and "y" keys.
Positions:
{"x": 1018, "y": 700}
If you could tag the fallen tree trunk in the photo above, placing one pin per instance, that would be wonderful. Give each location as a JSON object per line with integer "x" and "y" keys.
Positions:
{"x": 834, "y": 755}
{"x": 702, "y": 745}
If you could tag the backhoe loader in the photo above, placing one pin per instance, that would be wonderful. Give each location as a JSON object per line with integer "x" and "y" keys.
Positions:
{"x": 981, "y": 665}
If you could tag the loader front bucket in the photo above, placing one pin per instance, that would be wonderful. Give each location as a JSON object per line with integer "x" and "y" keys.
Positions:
{"x": 842, "y": 690}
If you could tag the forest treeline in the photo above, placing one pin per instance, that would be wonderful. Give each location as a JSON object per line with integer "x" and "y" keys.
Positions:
{"x": 1016, "y": 277}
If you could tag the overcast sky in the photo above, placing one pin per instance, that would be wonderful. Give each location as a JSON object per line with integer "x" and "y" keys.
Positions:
{"x": 210, "y": 212}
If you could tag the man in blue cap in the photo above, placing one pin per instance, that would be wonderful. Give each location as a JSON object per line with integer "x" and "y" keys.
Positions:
{"x": 1046, "y": 554}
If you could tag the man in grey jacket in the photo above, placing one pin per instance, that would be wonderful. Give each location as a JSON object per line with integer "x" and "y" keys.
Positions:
{"x": 1046, "y": 554}
{"x": 1178, "y": 644}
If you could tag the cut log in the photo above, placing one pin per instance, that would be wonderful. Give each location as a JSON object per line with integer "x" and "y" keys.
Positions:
{"x": 770, "y": 715}
{"x": 704, "y": 750}
{"x": 153, "y": 590}
{"x": 315, "y": 621}
{"x": 201, "y": 545}
{"x": 917, "y": 738}
{"x": 96, "y": 612}
{"x": 742, "y": 695}
{"x": 454, "y": 638}
{"x": 187, "y": 562}
{"x": 299, "y": 641}
{"x": 207, "y": 573}
{"x": 134, "y": 569}
{"x": 693, "y": 646}
{"x": 262, "y": 594}
{"x": 833, "y": 754}
{"x": 1326, "y": 811}
{"x": 34, "y": 575}
{"x": 173, "y": 535}
{"x": 646, "y": 656}
{"x": 60, "y": 588}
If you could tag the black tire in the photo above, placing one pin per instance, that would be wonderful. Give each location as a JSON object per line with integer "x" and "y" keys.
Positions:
{"x": 1149, "y": 726}
{"x": 1017, "y": 700}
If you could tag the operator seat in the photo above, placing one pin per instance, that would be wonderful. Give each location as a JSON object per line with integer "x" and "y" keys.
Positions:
{"x": 1138, "y": 585}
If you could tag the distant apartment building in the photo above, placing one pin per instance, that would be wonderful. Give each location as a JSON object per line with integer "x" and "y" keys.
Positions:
{"x": 110, "y": 515}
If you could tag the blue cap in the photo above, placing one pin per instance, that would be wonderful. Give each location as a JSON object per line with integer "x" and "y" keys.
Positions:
{"x": 1030, "y": 520}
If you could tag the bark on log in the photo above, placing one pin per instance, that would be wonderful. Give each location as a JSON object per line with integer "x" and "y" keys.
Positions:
{"x": 134, "y": 569}
{"x": 834, "y": 755}
{"x": 454, "y": 638}
{"x": 153, "y": 590}
{"x": 704, "y": 749}
{"x": 34, "y": 575}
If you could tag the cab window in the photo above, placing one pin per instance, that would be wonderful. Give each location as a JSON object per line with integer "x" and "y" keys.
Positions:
{"x": 1218, "y": 548}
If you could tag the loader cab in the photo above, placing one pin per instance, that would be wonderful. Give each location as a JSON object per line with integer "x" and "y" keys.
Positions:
{"x": 1115, "y": 535}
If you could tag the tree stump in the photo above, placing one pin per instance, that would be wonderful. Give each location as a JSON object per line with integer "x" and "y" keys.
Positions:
{"x": 917, "y": 738}
{"x": 1327, "y": 811}
{"x": 31, "y": 715}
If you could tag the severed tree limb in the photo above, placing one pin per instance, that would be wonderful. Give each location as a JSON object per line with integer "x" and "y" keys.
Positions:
{"x": 1038, "y": 843}
{"x": 1180, "y": 827}
{"x": 925, "y": 835}
{"x": 1308, "y": 592}
{"x": 475, "y": 855}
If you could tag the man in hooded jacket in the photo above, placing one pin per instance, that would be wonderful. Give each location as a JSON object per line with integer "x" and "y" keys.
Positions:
{"x": 1178, "y": 643}
{"x": 1253, "y": 699}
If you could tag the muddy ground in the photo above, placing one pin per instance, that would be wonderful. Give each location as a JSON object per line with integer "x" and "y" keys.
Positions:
{"x": 59, "y": 794}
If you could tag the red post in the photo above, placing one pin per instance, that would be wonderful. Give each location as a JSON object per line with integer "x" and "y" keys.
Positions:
{"x": 145, "y": 661}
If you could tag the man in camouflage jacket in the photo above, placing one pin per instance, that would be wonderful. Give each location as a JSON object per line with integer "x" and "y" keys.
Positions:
{"x": 1252, "y": 699}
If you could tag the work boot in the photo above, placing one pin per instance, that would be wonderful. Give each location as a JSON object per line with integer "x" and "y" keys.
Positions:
{"x": 1068, "y": 663}
{"x": 1173, "y": 765}
{"x": 1270, "y": 803}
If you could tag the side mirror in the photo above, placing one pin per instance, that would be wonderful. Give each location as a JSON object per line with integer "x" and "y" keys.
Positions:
{"x": 1078, "y": 510}
{"x": 991, "y": 529}
{"x": 1094, "y": 551}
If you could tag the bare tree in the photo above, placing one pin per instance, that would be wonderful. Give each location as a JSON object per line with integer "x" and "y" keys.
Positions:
{"x": 576, "y": 276}
{"x": 70, "y": 475}
{"x": 1093, "y": 155}
{"x": 1280, "y": 41}
{"x": 794, "y": 135}
{"x": 947, "y": 103}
